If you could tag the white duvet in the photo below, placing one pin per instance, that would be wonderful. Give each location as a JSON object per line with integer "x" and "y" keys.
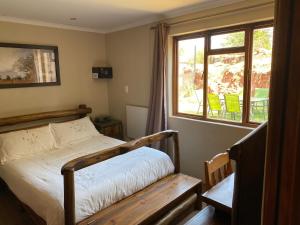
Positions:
{"x": 37, "y": 180}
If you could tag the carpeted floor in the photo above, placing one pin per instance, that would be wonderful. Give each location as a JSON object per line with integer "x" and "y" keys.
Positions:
{"x": 10, "y": 212}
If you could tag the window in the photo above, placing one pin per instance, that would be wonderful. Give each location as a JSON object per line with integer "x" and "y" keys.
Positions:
{"x": 224, "y": 75}
{"x": 229, "y": 40}
{"x": 190, "y": 75}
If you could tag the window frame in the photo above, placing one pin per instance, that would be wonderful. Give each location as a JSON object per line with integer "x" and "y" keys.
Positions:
{"x": 246, "y": 49}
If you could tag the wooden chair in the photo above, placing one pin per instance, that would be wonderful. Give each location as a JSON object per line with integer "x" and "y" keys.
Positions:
{"x": 218, "y": 168}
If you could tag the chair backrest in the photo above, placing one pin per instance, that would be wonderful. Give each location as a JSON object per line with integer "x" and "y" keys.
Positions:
{"x": 232, "y": 103}
{"x": 214, "y": 102}
{"x": 261, "y": 92}
{"x": 218, "y": 168}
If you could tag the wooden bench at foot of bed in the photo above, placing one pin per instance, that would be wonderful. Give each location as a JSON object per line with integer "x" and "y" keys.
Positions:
{"x": 160, "y": 203}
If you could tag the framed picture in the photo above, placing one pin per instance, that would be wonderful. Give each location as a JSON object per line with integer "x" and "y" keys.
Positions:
{"x": 23, "y": 65}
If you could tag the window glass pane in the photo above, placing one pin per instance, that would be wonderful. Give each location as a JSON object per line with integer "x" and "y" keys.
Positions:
{"x": 190, "y": 76}
{"x": 225, "y": 86}
{"x": 261, "y": 73}
{"x": 230, "y": 40}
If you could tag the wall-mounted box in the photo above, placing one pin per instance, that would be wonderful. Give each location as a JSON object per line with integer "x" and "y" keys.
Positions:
{"x": 102, "y": 72}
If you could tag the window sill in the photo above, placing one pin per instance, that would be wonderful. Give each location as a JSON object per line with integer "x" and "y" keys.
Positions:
{"x": 215, "y": 122}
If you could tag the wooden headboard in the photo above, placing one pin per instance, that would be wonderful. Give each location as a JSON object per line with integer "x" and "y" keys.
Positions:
{"x": 44, "y": 117}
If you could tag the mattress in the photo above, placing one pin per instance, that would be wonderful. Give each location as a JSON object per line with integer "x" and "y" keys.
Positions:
{"x": 37, "y": 181}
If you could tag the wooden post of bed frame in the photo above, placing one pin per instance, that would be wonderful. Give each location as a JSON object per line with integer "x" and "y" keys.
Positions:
{"x": 82, "y": 107}
{"x": 69, "y": 197}
{"x": 176, "y": 152}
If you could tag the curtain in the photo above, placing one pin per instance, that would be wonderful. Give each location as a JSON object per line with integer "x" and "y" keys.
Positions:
{"x": 157, "y": 114}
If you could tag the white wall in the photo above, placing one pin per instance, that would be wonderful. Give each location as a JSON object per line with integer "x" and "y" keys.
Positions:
{"x": 78, "y": 53}
{"x": 130, "y": 54}
{"x": 199, "y": 141}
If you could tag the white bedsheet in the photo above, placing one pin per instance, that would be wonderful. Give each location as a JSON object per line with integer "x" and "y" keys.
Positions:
{"x": 37, "y": 180}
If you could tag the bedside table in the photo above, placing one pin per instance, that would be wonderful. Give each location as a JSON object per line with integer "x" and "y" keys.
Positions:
{"x": 112, "y": 128}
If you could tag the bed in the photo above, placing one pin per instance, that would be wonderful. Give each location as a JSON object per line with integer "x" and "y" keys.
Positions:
{"x": 90, "y": 180}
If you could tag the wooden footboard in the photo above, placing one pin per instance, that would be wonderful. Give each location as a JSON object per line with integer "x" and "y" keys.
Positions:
{"x": 88, "y": 160}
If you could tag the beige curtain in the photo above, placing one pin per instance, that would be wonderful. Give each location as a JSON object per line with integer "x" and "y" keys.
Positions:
{"x": 157, "y": 115}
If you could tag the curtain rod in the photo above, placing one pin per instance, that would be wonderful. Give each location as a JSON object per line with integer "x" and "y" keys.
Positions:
{"x": 216, "y": 14}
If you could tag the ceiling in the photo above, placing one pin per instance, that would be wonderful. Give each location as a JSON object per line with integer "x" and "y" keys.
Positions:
{"x": 99, "y": 15}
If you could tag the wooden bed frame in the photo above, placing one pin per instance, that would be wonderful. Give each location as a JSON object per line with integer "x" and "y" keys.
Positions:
{"x": 161, "y": 203}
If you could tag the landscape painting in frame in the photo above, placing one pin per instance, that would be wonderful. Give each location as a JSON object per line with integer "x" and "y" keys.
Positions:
{"x": 23, "y": 65}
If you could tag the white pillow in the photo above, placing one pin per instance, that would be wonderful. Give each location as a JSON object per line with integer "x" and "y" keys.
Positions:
{"x": 73, "y": 131}
{"x": 19, "y": 144}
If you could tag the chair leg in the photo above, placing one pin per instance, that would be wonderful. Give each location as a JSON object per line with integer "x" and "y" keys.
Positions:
{"x": 264, "y": 115}
{"x": 233, "y": 116}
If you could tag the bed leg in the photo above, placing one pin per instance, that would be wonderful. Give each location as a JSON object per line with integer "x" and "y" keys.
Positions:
{"x": 69, "y": 198}
{"x": 199, "y": 197}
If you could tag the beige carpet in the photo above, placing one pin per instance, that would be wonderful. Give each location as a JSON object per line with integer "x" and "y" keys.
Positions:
{"x": 10, "y": 212}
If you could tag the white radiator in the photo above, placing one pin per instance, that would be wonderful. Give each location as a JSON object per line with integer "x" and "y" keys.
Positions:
{"x": 136, "y": 120}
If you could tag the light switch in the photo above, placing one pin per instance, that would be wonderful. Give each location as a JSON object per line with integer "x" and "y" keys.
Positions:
{"x": 126, "y": 89}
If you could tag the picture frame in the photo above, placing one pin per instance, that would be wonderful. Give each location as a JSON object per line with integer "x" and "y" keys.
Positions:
{"x": 26, "y": 65}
